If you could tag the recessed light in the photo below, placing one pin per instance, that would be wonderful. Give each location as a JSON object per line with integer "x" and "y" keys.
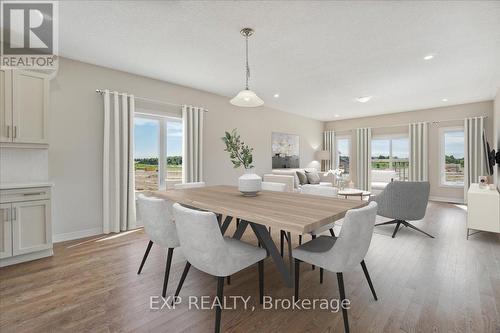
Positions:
{"x": 444, "y": 100}
{"x": 336, "y": 115}
{"x": 429, "y": 57}
{"x": 276, "y": 95}
{"x": 364, "y": 99}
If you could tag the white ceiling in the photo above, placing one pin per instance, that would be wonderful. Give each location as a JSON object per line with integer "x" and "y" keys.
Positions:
{"x": 319, "y": 56}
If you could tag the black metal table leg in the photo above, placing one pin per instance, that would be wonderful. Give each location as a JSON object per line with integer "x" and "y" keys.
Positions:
{"x": 265, "y": 239}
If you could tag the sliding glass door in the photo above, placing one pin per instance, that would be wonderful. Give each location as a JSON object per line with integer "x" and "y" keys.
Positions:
{"x": 157, "y": 152}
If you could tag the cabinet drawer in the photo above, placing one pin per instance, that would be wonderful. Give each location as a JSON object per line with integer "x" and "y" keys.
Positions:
{"x": 25, "y": 194}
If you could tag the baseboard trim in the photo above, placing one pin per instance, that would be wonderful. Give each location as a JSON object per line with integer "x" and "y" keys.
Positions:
{"x": 76, "y": 235}
{"x": 446, "y": 199}
{"x": 26, "y": 257}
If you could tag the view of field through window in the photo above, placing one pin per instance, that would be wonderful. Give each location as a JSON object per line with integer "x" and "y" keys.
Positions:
{"x": 452, "y": 172}
{"x": 148, "y": 134}
{"x": 391, "y": 155}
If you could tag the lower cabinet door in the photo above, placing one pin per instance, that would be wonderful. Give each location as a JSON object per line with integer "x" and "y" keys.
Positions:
{"x": 5, "y": 231}
{"x": 31, "y": 227}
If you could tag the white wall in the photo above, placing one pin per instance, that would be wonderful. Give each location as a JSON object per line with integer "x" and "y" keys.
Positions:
{"x": 76, "y": 126}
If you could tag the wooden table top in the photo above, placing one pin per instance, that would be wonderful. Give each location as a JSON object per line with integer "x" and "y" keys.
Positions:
{"x": 294, "y": 212}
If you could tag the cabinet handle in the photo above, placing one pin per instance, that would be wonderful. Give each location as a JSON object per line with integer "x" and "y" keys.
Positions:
{"x": 15, "y": 132}
{"x": 8, "y": 131}
{"x": 33, "y": 193}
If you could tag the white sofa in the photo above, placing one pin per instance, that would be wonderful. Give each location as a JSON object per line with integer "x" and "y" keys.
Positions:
{"x": 380, "y": 179}
{"x": 290, "y": 178}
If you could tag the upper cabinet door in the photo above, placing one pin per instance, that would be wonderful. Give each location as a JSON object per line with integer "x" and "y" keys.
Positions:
{"x": 6, "y": 128}
{"x": 5, "y": 231}
{"x": 30, "y": 105}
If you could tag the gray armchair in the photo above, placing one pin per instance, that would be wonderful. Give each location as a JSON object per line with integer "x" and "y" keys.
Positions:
{"x": 403, "y": 201}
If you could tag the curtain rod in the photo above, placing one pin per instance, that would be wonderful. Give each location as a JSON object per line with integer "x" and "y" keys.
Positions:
{"x": 401, "y": 125}
{"x": 155, "y": 101}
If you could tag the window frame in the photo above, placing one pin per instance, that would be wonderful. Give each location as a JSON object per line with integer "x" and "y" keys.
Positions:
{"x": 162, "y": 144}
{"x": 442, "y": 156}
{"x": 337, "y": 155}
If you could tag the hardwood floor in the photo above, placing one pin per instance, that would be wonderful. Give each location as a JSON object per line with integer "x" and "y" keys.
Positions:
{"x": 446, "y": 284}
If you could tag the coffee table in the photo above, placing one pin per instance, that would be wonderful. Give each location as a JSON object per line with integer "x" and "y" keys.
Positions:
{"x": 353, "y": 192}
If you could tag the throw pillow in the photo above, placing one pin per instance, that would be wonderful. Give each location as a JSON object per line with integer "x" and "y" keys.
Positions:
{"x": 302, "y": 177}
{"x": 312, "y": 177}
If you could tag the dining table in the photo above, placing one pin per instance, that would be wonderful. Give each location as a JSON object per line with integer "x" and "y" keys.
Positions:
{"x": 291, "y": 212}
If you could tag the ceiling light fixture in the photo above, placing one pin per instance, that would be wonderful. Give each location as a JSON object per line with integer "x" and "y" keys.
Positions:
{"x": 246, "y": 97}
{"x": 336, "y": 115}
{"x": 429, "y": 57}
{"x": 364, "y": 99}
{"x": 276, "y": 95}
{"x": 444, "y": 100}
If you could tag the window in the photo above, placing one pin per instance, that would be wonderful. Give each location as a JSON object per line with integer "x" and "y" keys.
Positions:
{"x": 452, "y": 156}
{"x": 157, "y": 151}
{"x": 390, "y": 158}
{"x": 343, "y": 154}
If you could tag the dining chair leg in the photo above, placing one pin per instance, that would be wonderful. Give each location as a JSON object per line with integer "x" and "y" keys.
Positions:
{"x": 313, "y": 237}
{"x": 332, "y": 232}
{"x": 365, "y": 270}
{"x": 282, "y": 242}
{"x": 145, "y": 256}
{"x": 167, "y": 270}
{"x": 228, "y": 280}
{"x": 300, "y": 239}
{"x": 340, "y": 280}
{"x": 320, "y": 275}
{"x": 261, "y": 281}
{"x": 297, "y": 272}
{"x": 183, "y": 277}
{"x": 218, "y": 309}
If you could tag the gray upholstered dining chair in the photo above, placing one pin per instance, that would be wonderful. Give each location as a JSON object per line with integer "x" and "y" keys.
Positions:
{"x": 189, "y": 185}
{"x": 343, "y": 253}
{"x": 403, "y": 201}
{"x": 157, "y": 217}
{"x": 206, "y": 249}
{"x": 272, "y": 186}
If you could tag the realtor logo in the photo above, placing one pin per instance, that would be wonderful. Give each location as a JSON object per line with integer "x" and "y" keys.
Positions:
{"x": 29, "y": 34}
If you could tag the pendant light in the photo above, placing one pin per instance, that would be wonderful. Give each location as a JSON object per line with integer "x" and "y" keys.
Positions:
{"x": 247, "y": 98}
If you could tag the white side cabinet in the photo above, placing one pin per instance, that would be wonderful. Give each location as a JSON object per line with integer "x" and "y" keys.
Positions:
{"x": 26, "y": 229}
{"x": 483, "y": 209}
{"x": 24, "y": 107}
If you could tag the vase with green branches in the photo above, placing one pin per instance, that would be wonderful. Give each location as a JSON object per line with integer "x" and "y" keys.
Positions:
{"x": 240, "y": 155}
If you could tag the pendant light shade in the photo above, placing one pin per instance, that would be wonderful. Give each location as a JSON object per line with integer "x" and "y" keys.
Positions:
{"x": 247, "y": 98}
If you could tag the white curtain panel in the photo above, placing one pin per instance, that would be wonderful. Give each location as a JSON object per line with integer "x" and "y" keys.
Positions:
{"x": 118, "y": 189}
{"x": 329, "y": 145}
{"x": 474, "y": 154}
{"x": 192, "y": 158}
{"x": 419, "y": 152}
{"x": 363, "y": 158}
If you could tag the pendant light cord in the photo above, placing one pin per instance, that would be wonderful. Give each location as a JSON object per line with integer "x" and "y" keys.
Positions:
{"x": 247, "y": 67}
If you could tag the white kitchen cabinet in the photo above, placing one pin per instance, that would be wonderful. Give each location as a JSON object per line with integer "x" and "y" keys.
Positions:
{"x": 5, "y": 231}
{"x": 24, "y": 111}
{"x": 5, "y": 105}
{"x": 30, "y": 227}
{"x": 26, "y": 228}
